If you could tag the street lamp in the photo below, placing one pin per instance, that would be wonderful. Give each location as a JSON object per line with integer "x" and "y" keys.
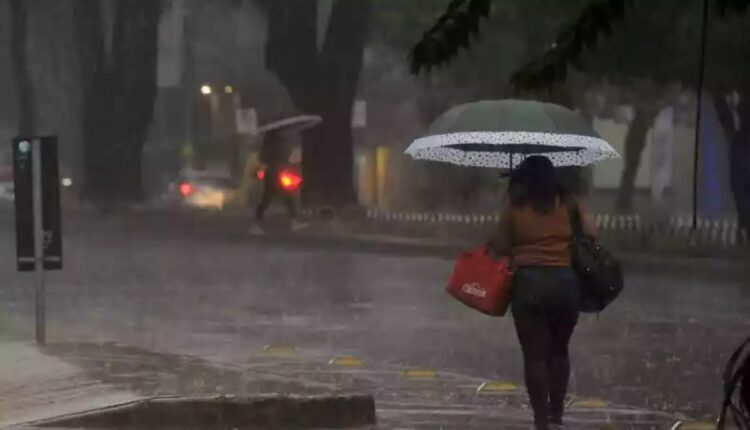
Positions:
{"x": 206, "y": 90}
{"x": 228, "y": 89}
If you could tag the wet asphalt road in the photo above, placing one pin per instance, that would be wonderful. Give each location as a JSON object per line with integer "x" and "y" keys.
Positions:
{"x": 222, "y": 297}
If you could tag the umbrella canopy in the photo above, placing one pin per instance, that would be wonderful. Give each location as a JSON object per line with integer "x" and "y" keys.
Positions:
{"x": 291, "y": 124}
{"x": 502, "y": 133}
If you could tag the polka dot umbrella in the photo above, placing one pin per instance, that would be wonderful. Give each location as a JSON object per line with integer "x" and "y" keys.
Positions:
{"x": 502, "y": 133}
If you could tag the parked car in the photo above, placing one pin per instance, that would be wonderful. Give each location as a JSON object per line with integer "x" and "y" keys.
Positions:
{"x": 204, "y": 189}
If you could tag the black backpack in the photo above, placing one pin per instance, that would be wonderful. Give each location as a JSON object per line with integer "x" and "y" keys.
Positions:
{"x": 599, "y": 271}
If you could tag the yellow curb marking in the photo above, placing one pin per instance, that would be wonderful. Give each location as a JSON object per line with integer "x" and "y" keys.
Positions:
{"x": 589, "y": 404}
{"x": 347, "y": 362}
{"x": 496, "y": 387}
{"x": 420, "y": 374}
{"x": 279, "y": 350}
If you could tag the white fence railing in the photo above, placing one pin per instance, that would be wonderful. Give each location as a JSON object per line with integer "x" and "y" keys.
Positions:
{"x": 720, "y": 232}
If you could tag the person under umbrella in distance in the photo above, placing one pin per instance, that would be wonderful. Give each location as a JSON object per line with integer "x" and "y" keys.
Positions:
{"x": 276, "y": 152}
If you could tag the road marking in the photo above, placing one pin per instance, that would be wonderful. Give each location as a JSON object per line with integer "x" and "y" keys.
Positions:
{"x": 589, "y": 404}
{"x": 347, "y": 362}
{"x": 361, "y": 305}
{"x": 697, "y": 426}
{"x": 420, "y": 374}
{"x": 280, "y": 350}
{"x": 496, "y": 387}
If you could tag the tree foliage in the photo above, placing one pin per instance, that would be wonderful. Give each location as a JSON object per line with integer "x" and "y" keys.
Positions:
{"x": 638, "y": 44}
{"x": 458, "y": 26}
{"x": 453, "y": 31}
{"x": 514, "y": 33}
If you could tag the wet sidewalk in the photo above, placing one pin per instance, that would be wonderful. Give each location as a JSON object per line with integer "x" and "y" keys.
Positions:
{"x": 86, "y": 385}
{"x": 36, "y": 386}
{"x": 65, "y": 379}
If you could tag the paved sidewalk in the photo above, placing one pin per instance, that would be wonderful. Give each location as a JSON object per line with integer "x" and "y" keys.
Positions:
{"x": 36, "y": 386}
{"x": 81, "y": 382}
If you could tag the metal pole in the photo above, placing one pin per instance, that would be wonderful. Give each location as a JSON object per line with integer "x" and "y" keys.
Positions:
{"x": 699, "y": 110}
{"x": 39, "y": 293}
{"x": 189, "y": 76}
{"x": 236, "y": 110}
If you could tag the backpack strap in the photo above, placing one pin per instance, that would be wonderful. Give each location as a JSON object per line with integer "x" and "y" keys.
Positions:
{"x": 576, "y": 223}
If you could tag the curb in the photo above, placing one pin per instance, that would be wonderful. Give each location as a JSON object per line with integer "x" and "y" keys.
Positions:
{"x": 374, "y": 244}
{"x": 228, "y": 412}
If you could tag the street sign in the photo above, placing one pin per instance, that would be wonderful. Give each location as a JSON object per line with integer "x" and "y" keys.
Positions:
{"x": 23, "y": 174}
{"x": 246, "y": 121}
{"x": 36, "y": 179}
{"x": 359, "y": 114}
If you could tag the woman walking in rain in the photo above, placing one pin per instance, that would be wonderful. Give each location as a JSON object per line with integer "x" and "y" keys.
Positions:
{"x": 535, "y": 231}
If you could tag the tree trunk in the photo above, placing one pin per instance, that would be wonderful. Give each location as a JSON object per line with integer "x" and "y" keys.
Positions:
{"x": 635, "y": 142}
{"x": 21, "y": 74}
{"x": 119, "y": 96}
{"x": 327, "y": 163}
{"x": 738, "y": 139}
{"x": 323, "y": 83}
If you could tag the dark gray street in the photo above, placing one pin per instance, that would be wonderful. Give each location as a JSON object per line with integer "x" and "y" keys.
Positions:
{"x": 251, "y": 307}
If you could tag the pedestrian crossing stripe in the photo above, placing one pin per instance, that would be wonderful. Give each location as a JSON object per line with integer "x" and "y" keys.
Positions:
{"x": 279, "y": 349}
{"x": 589, "y": 404}
{"x": 420, "y": 374}
{"x": 496, "y": 387}
{"x": 347, "y": 362}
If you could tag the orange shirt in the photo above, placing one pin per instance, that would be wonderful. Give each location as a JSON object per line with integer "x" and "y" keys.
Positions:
{"x": 535, "y": 239}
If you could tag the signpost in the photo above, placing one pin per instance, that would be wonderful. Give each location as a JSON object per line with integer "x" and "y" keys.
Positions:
{"x": 38, "y": 222}
{"x": 246, "y": 121}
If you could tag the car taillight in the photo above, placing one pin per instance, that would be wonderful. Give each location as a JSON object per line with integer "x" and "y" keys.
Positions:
{"x": 186, "y": 189}
{"x": 289, "y": 181}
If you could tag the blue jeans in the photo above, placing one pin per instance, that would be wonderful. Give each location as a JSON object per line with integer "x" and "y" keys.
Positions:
{"x": 545, "y": 306}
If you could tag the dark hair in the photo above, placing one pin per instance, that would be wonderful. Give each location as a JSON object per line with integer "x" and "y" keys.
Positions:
{"x": 536, "y": 183}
